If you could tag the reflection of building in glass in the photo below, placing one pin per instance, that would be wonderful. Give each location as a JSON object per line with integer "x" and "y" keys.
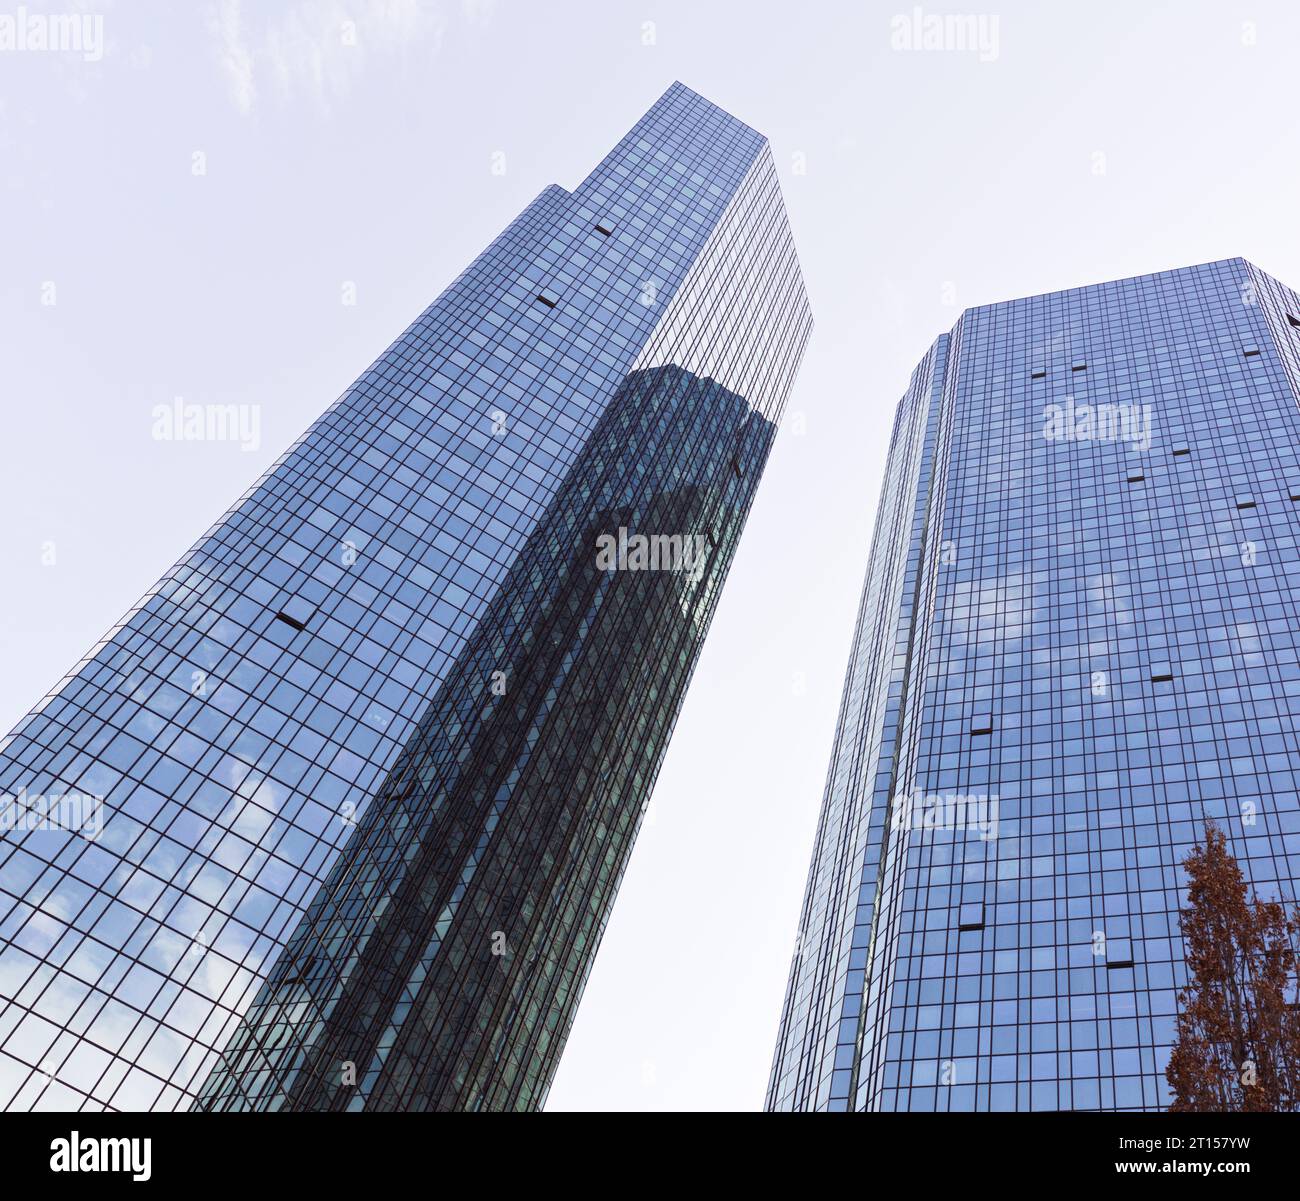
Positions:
{"x": 304, "y": 765}
{"x": 1079, "y": 625}
{"x": 445, "y": 954}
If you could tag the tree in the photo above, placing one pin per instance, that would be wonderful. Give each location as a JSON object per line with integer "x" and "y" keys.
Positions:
{"x": 1238, "y": 1042}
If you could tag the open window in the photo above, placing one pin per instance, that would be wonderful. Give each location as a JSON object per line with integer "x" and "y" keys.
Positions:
{"x": 971, "y": 916}
{"x": 296, "y": 613}
{"x": 1119, "y": 953}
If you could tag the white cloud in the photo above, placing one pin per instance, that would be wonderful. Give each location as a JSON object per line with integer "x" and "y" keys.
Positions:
{"x": 478, "y": 12}
{"x": 316, "y": 49}
{"x": 233, "y": 55}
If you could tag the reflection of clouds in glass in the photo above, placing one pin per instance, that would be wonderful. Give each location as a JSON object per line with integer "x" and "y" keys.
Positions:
{"x": 990, "y": 614}
{"x": 49, "y": 916}
{"x": 253, "y": 807}
{"x": 1110, "y": 595}
{"x": 1248, "y": 643}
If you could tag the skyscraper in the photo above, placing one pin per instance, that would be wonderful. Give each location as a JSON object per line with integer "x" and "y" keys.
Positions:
{"x": 1079, "y": 639}
{"x": 373, "y": 754}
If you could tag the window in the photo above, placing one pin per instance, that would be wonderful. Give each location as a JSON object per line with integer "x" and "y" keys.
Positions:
{"x": 547, "y": 299}
{"x": 1119, "y": 953}
{"x": 971, "y": 916}
{"x": 604, "y": 228}
{"x": 296, "y": 612}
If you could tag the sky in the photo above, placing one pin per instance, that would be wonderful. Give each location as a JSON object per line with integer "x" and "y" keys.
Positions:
{"x": 191, "y": 199}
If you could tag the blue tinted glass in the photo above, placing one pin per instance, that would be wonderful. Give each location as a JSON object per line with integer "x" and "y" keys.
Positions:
{"x": 1077, "y": 642}
{"x": 374, "y": 752}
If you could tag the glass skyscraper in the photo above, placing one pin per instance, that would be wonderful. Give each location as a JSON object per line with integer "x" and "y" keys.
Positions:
{"x": 373, "y": 754}
{"x": 1079, "y": 639}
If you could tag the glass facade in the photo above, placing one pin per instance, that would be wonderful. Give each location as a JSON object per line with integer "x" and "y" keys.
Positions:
{"x": 374, "y": 752}
{"x": 1078, "y": 640}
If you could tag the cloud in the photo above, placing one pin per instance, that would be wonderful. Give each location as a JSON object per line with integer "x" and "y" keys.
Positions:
{"x": 233, "y": 55}
{"x": 992, "y": 614}
{"x": 478, "y": 12}
{"x": 317, "y": 49}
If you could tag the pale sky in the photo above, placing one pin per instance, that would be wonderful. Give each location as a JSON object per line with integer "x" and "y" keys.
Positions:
{"x": 1085, "y": 142}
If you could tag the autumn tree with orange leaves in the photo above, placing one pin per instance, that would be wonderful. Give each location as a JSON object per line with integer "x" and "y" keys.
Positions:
{"x": 1238, "y": 1043}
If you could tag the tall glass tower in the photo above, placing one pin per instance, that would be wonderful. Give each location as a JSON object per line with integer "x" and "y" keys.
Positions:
{"x": 365, "y": 767}
{"x": 1079, "y": 639}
